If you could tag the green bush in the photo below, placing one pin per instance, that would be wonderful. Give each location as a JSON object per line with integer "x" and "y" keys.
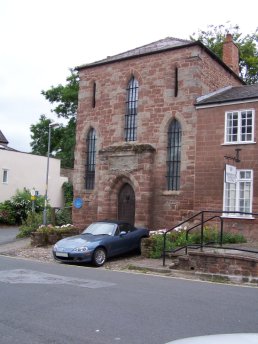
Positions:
{"x": 16, "y": 210}
{"x": 7, "y": 213}
{"x": 63, "y": 216}
{"x": 177, "y": 238}
{"x": 22, "y": 204}
{"x": 68, "y": 194}
{"x": 32, "y": 222}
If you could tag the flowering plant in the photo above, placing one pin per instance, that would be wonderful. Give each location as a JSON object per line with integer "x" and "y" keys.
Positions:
{"x": 49, "y": 229}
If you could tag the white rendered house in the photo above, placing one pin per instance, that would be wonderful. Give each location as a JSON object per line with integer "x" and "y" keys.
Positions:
{"x": 20, "y": 170}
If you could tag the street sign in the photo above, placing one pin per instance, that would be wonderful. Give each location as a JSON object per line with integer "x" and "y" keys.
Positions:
{"x": 230, "y": 174}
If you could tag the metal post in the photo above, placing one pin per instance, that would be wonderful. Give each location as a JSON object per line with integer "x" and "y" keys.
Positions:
{"x": 164, "y": 249}
{"x": 202, "y": 219}
{"x": 51, "y": 125}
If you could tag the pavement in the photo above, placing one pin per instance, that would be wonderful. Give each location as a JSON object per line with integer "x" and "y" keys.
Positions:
{"x": 11, "y": 246}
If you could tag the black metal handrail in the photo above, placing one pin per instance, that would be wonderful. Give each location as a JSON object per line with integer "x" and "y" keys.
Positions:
{"x": 201, "y": 223}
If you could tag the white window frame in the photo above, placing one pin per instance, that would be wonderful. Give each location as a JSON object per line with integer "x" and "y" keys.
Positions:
{"x": 238, "y": 194}
{"x": 239, "y": 128}
{"x": 5, "y": 176}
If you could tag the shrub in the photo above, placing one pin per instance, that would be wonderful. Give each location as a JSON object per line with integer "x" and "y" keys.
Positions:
{"x": 30, "y": 225}
{"x": 49, "y": 229}
{"x": 177, "y": 238}
{"x": 63, "y": 216}
{"x": 16, "y": 210}
{"x": 7, "y": 213}
{"x": 22, "y": 204}
{"x": 68, "y": 194}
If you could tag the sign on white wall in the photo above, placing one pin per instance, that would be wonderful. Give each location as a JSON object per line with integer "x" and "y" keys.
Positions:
{"x": 230, "y": 174}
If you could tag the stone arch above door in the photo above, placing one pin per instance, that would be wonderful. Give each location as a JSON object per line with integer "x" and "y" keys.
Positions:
{"x": 126, "y": 204}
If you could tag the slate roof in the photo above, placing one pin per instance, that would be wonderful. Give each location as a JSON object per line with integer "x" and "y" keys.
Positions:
{"x": 3, "y": 140}
{"x": 166, "y": 44}
{"x": 4, "y": 143}
{"x": 229, "y": 94}
{"x": 154, "y": 47}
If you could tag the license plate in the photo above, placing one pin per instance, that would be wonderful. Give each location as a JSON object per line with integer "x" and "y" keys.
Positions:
{"x": 61, "y": 254}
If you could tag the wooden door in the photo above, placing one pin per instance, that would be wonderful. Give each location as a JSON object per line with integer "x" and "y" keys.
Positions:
{"x": 126, "y": 204}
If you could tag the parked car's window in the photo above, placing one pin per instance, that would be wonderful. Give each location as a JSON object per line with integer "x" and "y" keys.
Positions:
{"x": 126, "y": 227}
{"x": 100, "y": 228}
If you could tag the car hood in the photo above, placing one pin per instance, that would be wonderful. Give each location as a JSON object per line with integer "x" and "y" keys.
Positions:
{"x": 79, "y": 240}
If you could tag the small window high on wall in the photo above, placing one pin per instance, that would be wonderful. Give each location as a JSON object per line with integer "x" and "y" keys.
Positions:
{"x": 90, "y": 160}
{"x": 131, "y": 110}
{"x": 174, "y": 155}
{"x": 5, "y": 177}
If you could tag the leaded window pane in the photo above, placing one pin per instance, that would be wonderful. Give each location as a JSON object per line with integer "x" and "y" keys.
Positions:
{"x": 90, "y": 160}
{"x": 131, "y": 110}
{"x": 174, "y": 155}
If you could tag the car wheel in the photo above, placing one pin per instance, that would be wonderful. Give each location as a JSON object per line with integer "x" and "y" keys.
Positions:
{"x": 99, "y": 256}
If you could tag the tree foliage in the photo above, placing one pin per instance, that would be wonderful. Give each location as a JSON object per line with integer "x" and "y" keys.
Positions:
{"x": 214, "y": 37}
{"x": 65, "y": 97}
{"x": 65, "y": 101}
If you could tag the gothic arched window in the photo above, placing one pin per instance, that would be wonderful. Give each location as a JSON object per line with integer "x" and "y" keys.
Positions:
{"x": 90, "y": 160}
{"x": 131, "y": 110}
{"x": 174, "y": 155}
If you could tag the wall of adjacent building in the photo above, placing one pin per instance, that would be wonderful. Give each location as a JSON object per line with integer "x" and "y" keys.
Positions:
{"x": 29, "y": 171}
{"x": 210, "y": 162}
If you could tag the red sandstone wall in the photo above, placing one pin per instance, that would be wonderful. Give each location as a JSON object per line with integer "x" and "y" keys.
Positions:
{"x": 155, "y": 206}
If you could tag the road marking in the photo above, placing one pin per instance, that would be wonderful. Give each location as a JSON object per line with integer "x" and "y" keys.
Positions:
{"x": 24, "y": 276}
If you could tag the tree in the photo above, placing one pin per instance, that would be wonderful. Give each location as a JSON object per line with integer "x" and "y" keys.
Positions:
{"x": 66, "y": 96}
{"x": 214, "y": 37}
{"x": 65, "y": 99}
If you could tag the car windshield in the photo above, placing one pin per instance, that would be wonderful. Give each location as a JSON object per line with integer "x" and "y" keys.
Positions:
{"x": 100, "y": 228}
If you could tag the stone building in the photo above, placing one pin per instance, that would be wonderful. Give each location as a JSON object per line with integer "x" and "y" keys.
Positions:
{"x": 138, "y": 134}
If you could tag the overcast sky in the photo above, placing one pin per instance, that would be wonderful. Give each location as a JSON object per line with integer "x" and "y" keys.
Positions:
{"x": 42, "y": 39}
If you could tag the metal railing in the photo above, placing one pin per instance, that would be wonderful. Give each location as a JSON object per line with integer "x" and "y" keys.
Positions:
{"x": 220, "y": 215}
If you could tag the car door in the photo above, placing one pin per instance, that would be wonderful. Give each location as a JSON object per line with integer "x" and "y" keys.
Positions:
{"x": 128, "y": 238}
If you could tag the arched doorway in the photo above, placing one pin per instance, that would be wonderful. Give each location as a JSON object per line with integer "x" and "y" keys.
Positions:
{"x": 126, "y": 204}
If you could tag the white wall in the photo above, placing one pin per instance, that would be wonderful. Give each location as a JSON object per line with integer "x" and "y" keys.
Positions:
{"x": 29, "y": 171}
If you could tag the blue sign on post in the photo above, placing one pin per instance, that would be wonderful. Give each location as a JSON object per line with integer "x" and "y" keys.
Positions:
{"x": 78, "y": 202}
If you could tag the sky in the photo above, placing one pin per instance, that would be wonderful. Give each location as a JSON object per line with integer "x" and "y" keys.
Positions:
{"x": 42, "y": 39}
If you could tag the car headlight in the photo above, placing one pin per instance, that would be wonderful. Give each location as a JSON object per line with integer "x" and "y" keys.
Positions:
{"x": 80, "y": 249}
{"x": 55, "y": 247}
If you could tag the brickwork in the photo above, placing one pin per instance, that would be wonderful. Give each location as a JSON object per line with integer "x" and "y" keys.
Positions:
{"x": 221, "y": 264}
{"x": 231, "y": 54}
{"x": 210, "y": 164}
{"x": 156, "y": 207}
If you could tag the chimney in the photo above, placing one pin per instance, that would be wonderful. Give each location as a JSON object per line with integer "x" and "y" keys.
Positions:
{"x": 231, "y": 54}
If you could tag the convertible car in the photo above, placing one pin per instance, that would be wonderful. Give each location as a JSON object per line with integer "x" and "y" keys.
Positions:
{"x": 100, "y": 241}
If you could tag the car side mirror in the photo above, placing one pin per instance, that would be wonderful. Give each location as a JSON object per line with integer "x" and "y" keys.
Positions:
{"x": 122, "y": 233}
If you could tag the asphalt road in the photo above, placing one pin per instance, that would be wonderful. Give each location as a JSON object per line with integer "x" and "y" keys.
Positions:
{"x": 63, "y": 304}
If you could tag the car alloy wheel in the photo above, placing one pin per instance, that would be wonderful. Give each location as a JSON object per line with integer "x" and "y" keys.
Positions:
{"x": 99, "y": 256}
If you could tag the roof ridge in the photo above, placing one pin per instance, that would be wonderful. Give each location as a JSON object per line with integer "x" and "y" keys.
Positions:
{"x": 153, "y": 47}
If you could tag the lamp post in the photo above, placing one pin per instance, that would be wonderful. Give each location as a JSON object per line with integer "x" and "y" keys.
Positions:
{"x": 51, "y": 125}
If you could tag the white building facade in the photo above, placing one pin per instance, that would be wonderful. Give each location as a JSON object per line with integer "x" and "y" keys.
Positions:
{"x": 20, "y": 170}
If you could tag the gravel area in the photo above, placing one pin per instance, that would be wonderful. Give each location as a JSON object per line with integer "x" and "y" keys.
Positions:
{"x": 23, "y": 249}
